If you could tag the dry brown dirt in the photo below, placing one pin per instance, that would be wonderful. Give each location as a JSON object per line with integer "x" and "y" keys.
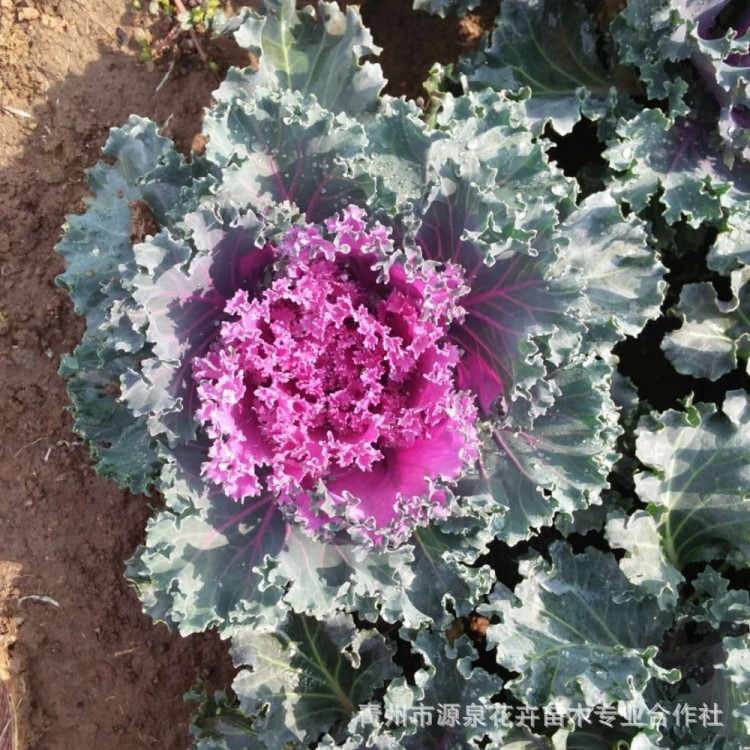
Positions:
{"x": 84, "y": 667}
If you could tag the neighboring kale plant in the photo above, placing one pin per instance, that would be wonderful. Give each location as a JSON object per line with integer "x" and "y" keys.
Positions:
{"x": 362, "y": 358}
{"x": 446, "y": 7}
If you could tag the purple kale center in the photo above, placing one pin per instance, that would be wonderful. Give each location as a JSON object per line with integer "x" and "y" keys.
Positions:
{"x": 338, "y": 382}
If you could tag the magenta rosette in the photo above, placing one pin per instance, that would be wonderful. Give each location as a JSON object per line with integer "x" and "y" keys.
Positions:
{"x": 334, "y": 387}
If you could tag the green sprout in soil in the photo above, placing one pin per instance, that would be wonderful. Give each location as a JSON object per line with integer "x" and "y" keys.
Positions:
{"x": 174, "y": 19}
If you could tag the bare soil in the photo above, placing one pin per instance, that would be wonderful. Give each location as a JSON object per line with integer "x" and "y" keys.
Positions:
{"x": 80, "y": 665}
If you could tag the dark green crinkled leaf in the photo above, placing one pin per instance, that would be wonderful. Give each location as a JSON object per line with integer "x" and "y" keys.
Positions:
{"x": 577, "y": 630}
{"x": 280, "y": 146}
{"x": 645, "y": 563}
{"x": 607, "y": 257}
{"x": 713, "y": 332}
{"x": 699, "y": 479}
{"x": 436, "y": 710}
{"x": 298, "y": 52}
{"x": 445, "y": 7}
{"x": 97, "y": 247}
{"x": 549, "y": 46}
{"x": 444, "y": 586}
{"x": 97, "y": 244}
{"x": 219, "y": 724}
{"x": 307, "y": 677}
{"x": 120, "y": 443}
{"x": 561, "y": 463}
{"x": 654, "y": 154}
{"x": 718, "y": 605}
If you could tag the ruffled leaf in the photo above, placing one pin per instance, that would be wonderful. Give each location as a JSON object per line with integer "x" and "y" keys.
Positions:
{"x": 281, "y": 147}
{"x": 210, "y": 561}
{"x": 561, "y": 464}
{"x": 654, "y": 155}
{"x": 732, "y": 247}
{"x": 98, "y": 244}
{"x": 549, "y": 47}
{"x": 607, "y": 257}
{"x": 182, "y": 295}
{"x": 698, "y": 480}
{"x": 715, "y": 713}
{"x": 651, "y": 35}
{"x": 736, "y": 671}
{"x": 397, "y": 154}
{"x": 444, "y": 8}
{"x": 298, "y": 52}
{"x": 505, "y": 239}
{"x": 120, "y": 443}
{"x": 201, "y": 564}
{"x": 449, "y": 704}
{"x": 645, "y": 563}
{"x": 307, "y": 677}
{"x": 713, "y": 332}
{"x": 577, "y": 631}
{"x": 444, "y": 586}
{"x": 718, "y": 605}
{"x": 130, "y": 198}
{"x": 220, "y": 724}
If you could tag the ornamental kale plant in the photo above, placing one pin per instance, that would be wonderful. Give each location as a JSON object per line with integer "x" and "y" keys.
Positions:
{"x": 375, "y": 362}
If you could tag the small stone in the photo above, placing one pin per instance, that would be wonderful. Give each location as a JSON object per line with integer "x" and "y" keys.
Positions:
{"x": 28, "y": 14}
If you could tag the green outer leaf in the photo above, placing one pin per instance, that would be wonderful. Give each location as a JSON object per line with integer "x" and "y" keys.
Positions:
{"x": 654, "y": 154}
{"x": 644, "y": 564}
{"x": 732, "y": 247}
{"x": 120, "y": 443}
{"x": 445, "y": 8}
{"x": 653, "y": 33}
{"x": 727, "y": 692}
{"x": 296, "y": 52}
{"x": 97, "y": 248}
{"x": 548, "y": 46}
{"x": 280, "y": 146}
{"x": 607, "y": 256}
{"x": 397, "y": 154}
{"x": 219, "y": 724}
{"x": 96, "y": 245}
{"x": 736, "y": 669}
{"x": 561, "y": 463}
{"x": 699, "y": 478}
{"x": 713, "y": 332}
{"x": 646, "y": 36}
{"x": 307, "y": 676}
{"x": 444, "y": 586}
{"x": 487, "y": 143}
{"x": 200, "y": 565}
{"x": 418, "y": 714}
{"x": 719, "y": 605}
{"x": 577, "y": 631}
